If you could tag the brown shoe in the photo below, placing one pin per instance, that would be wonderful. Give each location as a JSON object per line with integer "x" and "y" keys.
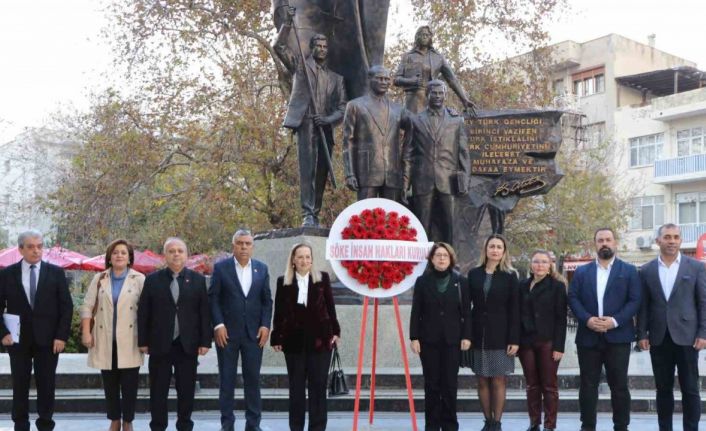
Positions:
{"x": 114, "y": 426}
{"x": 127, "y": 426}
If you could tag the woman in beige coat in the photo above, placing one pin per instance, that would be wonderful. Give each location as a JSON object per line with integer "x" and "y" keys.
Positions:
{"x": 109, "y": 331}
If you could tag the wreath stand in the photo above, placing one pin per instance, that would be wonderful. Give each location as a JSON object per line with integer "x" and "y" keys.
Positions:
{"x": 361, "y": 349}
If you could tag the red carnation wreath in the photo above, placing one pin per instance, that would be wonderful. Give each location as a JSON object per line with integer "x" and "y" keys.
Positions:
{"x": 379, "y": 224}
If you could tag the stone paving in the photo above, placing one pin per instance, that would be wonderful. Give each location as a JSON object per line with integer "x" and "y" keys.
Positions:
{"x": 342, "y": 421}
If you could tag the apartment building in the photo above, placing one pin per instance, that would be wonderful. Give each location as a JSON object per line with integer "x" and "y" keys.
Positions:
{"x": 28, "y": 171}
{"x": 651, "y": 106}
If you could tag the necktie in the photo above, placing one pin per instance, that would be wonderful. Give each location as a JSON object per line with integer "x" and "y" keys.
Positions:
{"x": 174, "y": 287}
{"x": 32, "y": 284}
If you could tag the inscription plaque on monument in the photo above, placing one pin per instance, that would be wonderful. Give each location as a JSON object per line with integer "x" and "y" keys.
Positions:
{"x": 512, "y": 155}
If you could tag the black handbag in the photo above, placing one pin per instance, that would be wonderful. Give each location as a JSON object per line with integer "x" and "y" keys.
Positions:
{"x": 337, "y": 385}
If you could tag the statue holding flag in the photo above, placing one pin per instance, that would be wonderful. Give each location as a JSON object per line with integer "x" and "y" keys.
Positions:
{"x": 316, "y": 105}
{"x": 335, "y": 42}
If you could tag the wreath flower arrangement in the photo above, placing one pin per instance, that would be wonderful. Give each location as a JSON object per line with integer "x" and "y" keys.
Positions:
{"x": 379, "y": 224}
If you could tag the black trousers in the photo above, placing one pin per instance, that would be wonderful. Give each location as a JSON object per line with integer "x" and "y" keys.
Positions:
{"x": 435, "y": 202}
{"x": 440, "y": 363}
{"x": 22, "y": 359}
{"x": 184, "y": 366}
{"x": 665, "y": 358}
{"x": 308, "y": 370}
{"x": 380, "y": 192}
{"x": 117, "y": 381}
{"x": 615, "y": 358}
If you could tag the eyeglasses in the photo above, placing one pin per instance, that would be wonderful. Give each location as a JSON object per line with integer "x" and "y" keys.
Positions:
{"x": 441, "y": 256}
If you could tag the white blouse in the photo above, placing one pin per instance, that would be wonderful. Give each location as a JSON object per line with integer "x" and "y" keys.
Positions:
{"x": 303, "y": 284}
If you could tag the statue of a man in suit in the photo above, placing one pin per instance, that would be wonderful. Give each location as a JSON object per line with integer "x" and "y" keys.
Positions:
{"x": 438, "y": 162}
{"x": 305, "y": 114}
{"x": 372, "y": 145}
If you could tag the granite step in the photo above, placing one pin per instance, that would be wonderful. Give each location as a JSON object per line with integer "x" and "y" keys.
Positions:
{"x": 386, "y": 400}
{"x": 276, "y": 378}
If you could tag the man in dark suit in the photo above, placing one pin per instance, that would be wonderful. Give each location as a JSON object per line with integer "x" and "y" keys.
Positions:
{"x": 241, "y": 308}
{"x": 672, "y": 325}
{"x": 372, "y": 148}
{"x": 174, "y": 327}
{"x": 438, "y": 162}
{"x": 38, "y": 293}
{"x": 305, "y": 115}
{"x": 605, "y": 296}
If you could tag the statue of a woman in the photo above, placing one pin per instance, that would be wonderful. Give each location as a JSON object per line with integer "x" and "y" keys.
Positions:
{"x": 421, "y": 65}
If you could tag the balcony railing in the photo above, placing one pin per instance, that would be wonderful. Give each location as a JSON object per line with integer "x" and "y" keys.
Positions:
{"x": 680, "y": 169}
{"x": 692, "y": 231}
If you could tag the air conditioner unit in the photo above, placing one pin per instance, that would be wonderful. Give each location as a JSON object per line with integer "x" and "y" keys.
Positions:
{"x": 644, "y": 241}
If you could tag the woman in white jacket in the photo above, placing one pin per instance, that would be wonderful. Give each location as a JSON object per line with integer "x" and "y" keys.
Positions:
{"x": 109, "y": 331}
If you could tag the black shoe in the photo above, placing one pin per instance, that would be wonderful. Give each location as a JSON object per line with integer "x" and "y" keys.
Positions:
{"x": 498, "y": 426}
{"x": 487, "y": 426}
{"x": 533, "y": 428}
{"x": 547, "y": 429}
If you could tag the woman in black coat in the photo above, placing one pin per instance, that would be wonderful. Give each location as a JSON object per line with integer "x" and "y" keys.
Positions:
{"x": 542, "y": 337}
{"x": 305, "y": 328}
{"x": 496, "y": 326}
{"x": 440, "y": 324}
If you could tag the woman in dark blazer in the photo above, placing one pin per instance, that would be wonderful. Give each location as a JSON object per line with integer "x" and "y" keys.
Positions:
{"x": 305, "y": 328}
{"x": 440, "y": 324}
{"x": 542, "y": 337}
{"x": 496, "y": 326}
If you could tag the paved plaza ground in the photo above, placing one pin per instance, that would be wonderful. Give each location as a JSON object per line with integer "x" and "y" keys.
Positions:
{"x": 342, "y": 421}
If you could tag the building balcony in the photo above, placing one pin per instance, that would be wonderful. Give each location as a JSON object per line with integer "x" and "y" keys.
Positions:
{"x": 690, "y": 233}
{"x": 565, "y": 55}
{"x": 680, "y": 169}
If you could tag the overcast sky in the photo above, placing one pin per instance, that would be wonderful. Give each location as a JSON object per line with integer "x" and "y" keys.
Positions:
{"x": 52, "y": 55}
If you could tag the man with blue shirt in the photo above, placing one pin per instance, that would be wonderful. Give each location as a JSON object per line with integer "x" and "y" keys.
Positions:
{"x": 605, "y": 296}
{"x": 241, "y": 310}
{"x": 672, "y": 326}
{"x": 37, "y": 292}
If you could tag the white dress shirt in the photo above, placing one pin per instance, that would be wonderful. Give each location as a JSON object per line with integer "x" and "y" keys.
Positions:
{"x": 25, "y": 275}
{"x": 244, "y": 275}
{"x": 602, "y": 275}
{"x": 303, "y": 284}
{"x": 668, "y": 274}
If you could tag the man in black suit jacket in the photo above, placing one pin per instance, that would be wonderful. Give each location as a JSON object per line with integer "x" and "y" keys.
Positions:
{"x": 174, "y": 327}
{"x": 37, "y": 292}
{"x": 671, "y": 324}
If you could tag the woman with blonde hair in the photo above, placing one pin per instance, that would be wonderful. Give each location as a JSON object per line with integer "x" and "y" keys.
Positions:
{"x": 495, "y": 326}
{"x": 109, "y": 331}
{"x": 542, "y": 337}
{"x": 306, "y": 329}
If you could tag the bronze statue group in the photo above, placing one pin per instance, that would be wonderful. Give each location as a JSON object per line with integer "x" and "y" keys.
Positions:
{"x": 481, "y": 320}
